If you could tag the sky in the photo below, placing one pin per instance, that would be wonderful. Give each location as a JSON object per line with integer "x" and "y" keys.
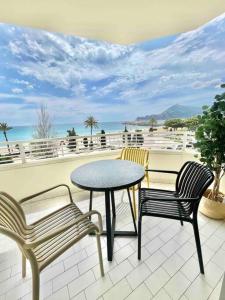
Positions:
{"x": 77, "y": 77}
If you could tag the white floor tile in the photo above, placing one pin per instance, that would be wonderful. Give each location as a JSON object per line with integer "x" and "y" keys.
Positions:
{"x": 98, "y": 288}
{"x": 155, "y": 260}
{"x": 120, "y": 271}
{"x": 162, "y": 295}
{"x": 123, "y": 253}
{"x": 191, "y": 269}
{"x": 135, "y": 261}
{"x": 119, "y": 292}
{"x": 64, "y": 278}
{"x": 60, "y": 294}
{"x": 219, "y": 258}
{"x": 154, "y": 245}
{"x": 199, "y": 289}
{"x": 141, "y": 292}
{"x": 82, "y": 282}
{"x": 170, "y": 247}
{"x": 138, "y": 275}
{"x": 157, "y": 280}
{"x": 173, "y": 264}
{"x": 176, "y": 286}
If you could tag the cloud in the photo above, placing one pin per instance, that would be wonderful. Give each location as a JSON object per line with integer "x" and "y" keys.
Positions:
{"x": 17, "y": 91}
{"x": 75, "y": 76}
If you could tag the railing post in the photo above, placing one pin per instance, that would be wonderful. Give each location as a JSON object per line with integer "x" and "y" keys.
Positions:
{"x": 184, "y": 141}
{"x": 22, "y": 153}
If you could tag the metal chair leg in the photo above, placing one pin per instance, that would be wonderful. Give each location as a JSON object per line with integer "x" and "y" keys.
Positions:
{"x": 139, "y": 236}
{"x": 134, "y": 203}
{"x": 23, "y": 266}
{"x": 132, "y": 211}
{"x": 147, "y": 179}
{"x": 100, "y": 254}
{"x": 35, "y": 282}
{"x": 198, "y": 245}
{"x": 90, "y": 202}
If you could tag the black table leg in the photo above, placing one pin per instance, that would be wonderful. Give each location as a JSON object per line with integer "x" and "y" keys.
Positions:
{"x": 132, "y": 212}
{"x": 113, "y": 204}
{"x": 108, "y": 226}
{"x": 110, "y": 231}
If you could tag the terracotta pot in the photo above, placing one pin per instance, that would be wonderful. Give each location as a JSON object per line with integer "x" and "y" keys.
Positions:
{"x": 212, "y": 209}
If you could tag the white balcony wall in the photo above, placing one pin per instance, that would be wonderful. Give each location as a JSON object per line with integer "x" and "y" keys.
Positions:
{"x": 24, "y": 179}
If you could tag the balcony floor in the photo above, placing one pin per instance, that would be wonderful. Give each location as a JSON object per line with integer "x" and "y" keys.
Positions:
{"x": 169, "y": 268}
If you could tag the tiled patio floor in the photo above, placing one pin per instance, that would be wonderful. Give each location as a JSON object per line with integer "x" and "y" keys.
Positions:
{"x": 169, "y": 268}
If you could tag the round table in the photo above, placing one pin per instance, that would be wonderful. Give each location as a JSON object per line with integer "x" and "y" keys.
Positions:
{"x": 108, "y": 176}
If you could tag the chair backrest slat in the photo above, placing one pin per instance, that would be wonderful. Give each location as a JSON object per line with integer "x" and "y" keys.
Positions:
{"x": 11, "y": 215}
{"x": 138, "y": 155}
{"x": 193, "y": 179}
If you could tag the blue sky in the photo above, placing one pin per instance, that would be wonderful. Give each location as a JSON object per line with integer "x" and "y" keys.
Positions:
{"x": 76, "y": 77}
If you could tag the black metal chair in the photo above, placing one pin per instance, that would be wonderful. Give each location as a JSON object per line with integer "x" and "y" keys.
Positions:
{"x": 182, "y": 204}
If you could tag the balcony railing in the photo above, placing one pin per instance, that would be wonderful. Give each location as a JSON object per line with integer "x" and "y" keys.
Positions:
{"x": 32, "y": 150}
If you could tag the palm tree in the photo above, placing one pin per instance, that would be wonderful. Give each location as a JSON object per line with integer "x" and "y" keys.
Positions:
{"x": 4, "y": 128}
{"x": 91, "y": 123}
{"x": 152, "y": 123}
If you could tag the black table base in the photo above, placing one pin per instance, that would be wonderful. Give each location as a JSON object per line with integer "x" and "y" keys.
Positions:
{"x": 110, "y": 231}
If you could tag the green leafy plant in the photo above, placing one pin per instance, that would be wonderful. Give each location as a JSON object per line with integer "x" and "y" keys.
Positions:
{"x": 174, "y": 123}
{"x": 72, "y": 143}
{"x": 210, "y": 136}
{"x": 191, "y": 123}
{"x": 152, "y": 123}
{"x": 103, "y": 139}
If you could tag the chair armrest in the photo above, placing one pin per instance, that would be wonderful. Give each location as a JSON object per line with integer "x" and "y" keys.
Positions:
{"x": 13, "y": 235}
{"x": 45, "y": 191}
{"x": 162, "y": 171}
{"x": 170, "y": 199}
{"x": 64, "y": 228}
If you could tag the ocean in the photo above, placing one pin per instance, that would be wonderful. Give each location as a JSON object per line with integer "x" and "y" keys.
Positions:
{"x": 60, "y": 130}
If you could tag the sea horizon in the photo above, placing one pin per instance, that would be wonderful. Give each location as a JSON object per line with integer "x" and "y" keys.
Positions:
{"x": 26, "y": 132}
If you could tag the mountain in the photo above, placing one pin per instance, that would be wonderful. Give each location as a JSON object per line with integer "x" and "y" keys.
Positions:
{"x": 174, "y": 111}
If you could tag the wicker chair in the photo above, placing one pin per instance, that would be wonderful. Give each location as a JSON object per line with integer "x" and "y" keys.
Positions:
{"x": 44, "y": 240}
{"x": 139, "y": 156}
{"x": 192, "y": 181}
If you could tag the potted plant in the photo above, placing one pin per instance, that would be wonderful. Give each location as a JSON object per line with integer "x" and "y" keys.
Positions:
{"x": 103, "y": 139}
{"x": 210, "y": 136}
{"x": 72, "y": 142}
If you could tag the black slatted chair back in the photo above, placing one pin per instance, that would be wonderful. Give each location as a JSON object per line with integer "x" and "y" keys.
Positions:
{"x": 193, "y": 180}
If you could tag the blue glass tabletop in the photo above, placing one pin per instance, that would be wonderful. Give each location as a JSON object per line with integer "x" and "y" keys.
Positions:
{"x": 107, "y": 175}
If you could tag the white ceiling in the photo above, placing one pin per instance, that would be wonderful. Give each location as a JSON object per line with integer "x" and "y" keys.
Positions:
{"x": 118, "y": 21}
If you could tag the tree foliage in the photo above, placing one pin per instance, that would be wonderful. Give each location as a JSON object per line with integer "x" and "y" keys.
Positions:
{"x": 174, "y": 123}
{"x": 152, "y": 122}
{"x": 4, "y": 128}
{"x": 210, "y": 136}
{"x": 191, "y": 123}
{"x": 91, "y": 122}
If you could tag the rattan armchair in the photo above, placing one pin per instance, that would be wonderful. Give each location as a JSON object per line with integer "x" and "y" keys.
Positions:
{"x": 44, "y": 240}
